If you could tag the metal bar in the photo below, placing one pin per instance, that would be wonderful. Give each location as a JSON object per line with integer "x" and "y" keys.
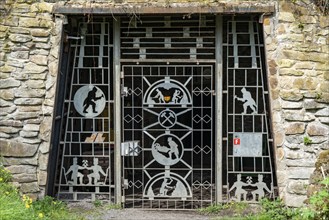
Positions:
{"x": 117, "y": 110}
{"x": 218, "y": 107}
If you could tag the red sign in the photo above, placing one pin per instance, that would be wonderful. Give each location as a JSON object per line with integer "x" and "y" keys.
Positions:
{"x": 236, "y": 141}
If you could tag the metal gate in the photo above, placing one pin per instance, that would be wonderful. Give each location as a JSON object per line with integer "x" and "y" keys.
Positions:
{"x": 168, "y": 133}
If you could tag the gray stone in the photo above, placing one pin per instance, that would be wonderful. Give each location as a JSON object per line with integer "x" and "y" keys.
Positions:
{"x": 44, "y": 147}
{"x": 4, "y": 135}
{"x": 291, "y": 95}
{"x": 295, "y": 115}
{"x": 42, "y": 178}
{"x": 298, "y": 187}
{"x": 25, "y": 178}
{"x": 20, "y": 54}
{"x": 7, "y": 110}
{"x": 20, "y": 161}
{"x": 324, "y": 146}
{"x": 313, "y": 104}
{"x": 324, "y": 120}
{"x": 295, "y": 139}
{"x": 291, "y": 105}
{"x": 297, "y": 173}
{"x": 295, "y": 128}
{"x": 28, "y": 134}
{"x": 31, "y": 127}
{"x": 35, "y": 108}
{"x": 9, "y": 130}
{"x": 41, "y": 39}
{"x": 286, "y": 17}
{"x": 25, "y": 115}
{"x": 47, "y": 110}
{"x": 39, "y": 59}
{"x": 35, "y": 84}
{"x": 9, "y": 83}
{"x": 323, "y": 112}
{"x": 317, "y": 129}
{"x": 9, "y": 148}
{"x": 45, "y": 128}
{"x": 15, "y": 169}
{"x": 7, "y": 94}
{"x": 40, "y": 52}
{"x": 4, "y": 103}
{"x": 29, "y": 93}
{"x": 310, "y": 162}
{"x": 40, "y": 32}
{"x": 43, "y": 46}
{"x": 28, "y": 140}
{"x": 293, "y": 200}
{"x": 32, "y": 68}
{"x": 11, "y": 123}
{"x": 29, "y": 22}
{"x": 19, "y": 38}
{"x": 319, "y": 139}
{"x": 29, "y": 187}
{"x": 43, "y": 161}
{"x": 28, "y": 101}
{"x": 38, "y": 76}
{"x": 53, "y": 68}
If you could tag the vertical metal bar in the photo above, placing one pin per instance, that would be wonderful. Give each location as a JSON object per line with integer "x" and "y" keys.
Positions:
{"x": 117, "y": 111}
{"x": 218, "y": 107}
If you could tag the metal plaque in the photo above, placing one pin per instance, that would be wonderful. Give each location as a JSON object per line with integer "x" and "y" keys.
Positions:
{"x": 247, "y": 144}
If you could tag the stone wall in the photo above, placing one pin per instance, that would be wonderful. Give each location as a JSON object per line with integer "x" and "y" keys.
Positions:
{"x": 297, "y": 41}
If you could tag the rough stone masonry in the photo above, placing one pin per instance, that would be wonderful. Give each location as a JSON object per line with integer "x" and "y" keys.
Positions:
{"x": 297, "y": 49}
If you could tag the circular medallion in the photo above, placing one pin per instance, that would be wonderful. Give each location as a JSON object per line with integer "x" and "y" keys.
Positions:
{"x": 167, "y": 149}
{"x": 89, "y": 101}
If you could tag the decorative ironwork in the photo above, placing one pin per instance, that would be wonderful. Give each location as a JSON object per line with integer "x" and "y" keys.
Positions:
{"x": 246, "y": 130}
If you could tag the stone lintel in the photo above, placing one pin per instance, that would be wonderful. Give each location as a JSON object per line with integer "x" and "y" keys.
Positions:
{"x": 225, "y": 8}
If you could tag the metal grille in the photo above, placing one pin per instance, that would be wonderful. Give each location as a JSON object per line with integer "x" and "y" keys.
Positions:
{"x": 246, "y": 131}
{"x": 168, "y": 133}
{"x": 168, "y": 37}
{"x": 85, "y": 160}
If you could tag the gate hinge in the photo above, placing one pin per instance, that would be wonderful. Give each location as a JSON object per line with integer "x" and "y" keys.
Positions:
{"x": 123, "y": 198}
{"x": 121, "y": 75}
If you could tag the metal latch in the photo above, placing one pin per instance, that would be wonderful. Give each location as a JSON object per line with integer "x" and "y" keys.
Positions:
{"x": 130, "y": 148}
{"x": 124, "y": 91}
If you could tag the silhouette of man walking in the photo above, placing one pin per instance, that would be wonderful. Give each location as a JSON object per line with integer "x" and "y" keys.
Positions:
{"x": 90, "y": 100}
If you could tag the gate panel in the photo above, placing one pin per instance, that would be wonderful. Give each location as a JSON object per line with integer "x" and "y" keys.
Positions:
{"x": 168, "y": 136}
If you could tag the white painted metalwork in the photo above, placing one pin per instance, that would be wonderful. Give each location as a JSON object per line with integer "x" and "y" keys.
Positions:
{"x": 246, "y": 132}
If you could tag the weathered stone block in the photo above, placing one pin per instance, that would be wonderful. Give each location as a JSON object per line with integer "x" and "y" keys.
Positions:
{"x": 295, "y": 128}
{"x": 19, "y": 38}
{"x": 39, "y": 59}
{"x": 324, "y": 86}
{"x": 31, "y": 127}
{"x": 9, "y": 83}
{"x": 305, "y": 83}
{"x": 29, "y": 187}
{"x": 286, "y": 17}
{"x": 286, "y": 63}
{"x": 317, "y": 129}
{"x": 7, "y": 94}
{"x": 309, "y": 162}
{"x": 313, "y": 104}
{"x": 294, "y": 139}
{"x": 42, "y": 178}
{"x": 25, "y": 108}
{"x": 25, "y": 115}
{"x": 291, "y": 95}
{"x": 291, "y": 105}
{"x": 307, "y": 19}
{"x": 10, "y": 148}
{"x": 43, "y": 161}
{"x": 4, "y": 135}
{"x": 28, "y": 134}
{"x": 29, "y": 22}
{"x": 16, "y": 169}
{"x": 45, "y": 128}
{"x": 9, "y": 130}
{"x": 19, "y": 30}
{"x": 324, "y": 120}
{"x": 304, "y": 65}
{"x": 33, "y": 68}
{"x": 29, "y": 93}
{"x": 24, "y": 178}
{"x": 40, "y": 32}
{"x": 295, "y": 115}
{"x": 11, "y": 123}
{"x": 323, "y": 112}
{"x": 297, "y": 173}
{"x": 297, "y": 187}
{"x": 20, "y": 54}
{"x": 44, "y": 147}
{"x": 290, "y": 72}
{"x": 28, "y": 101}
{"x": 4, "y": 103}
{"x": 20, "y": 161}
{"x": 324, "y": 21}
{"x": 28, "y": 140}
{"x": 38, "y": 76}
{"x": 35, "y": 84}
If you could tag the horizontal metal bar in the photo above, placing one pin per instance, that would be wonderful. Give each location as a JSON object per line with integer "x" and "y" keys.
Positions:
{"x": 227, "y": 8}
{"x": 170, "y": 60}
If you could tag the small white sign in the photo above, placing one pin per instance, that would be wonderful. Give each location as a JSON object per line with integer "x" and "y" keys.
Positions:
{"x": 247, "y": 144}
